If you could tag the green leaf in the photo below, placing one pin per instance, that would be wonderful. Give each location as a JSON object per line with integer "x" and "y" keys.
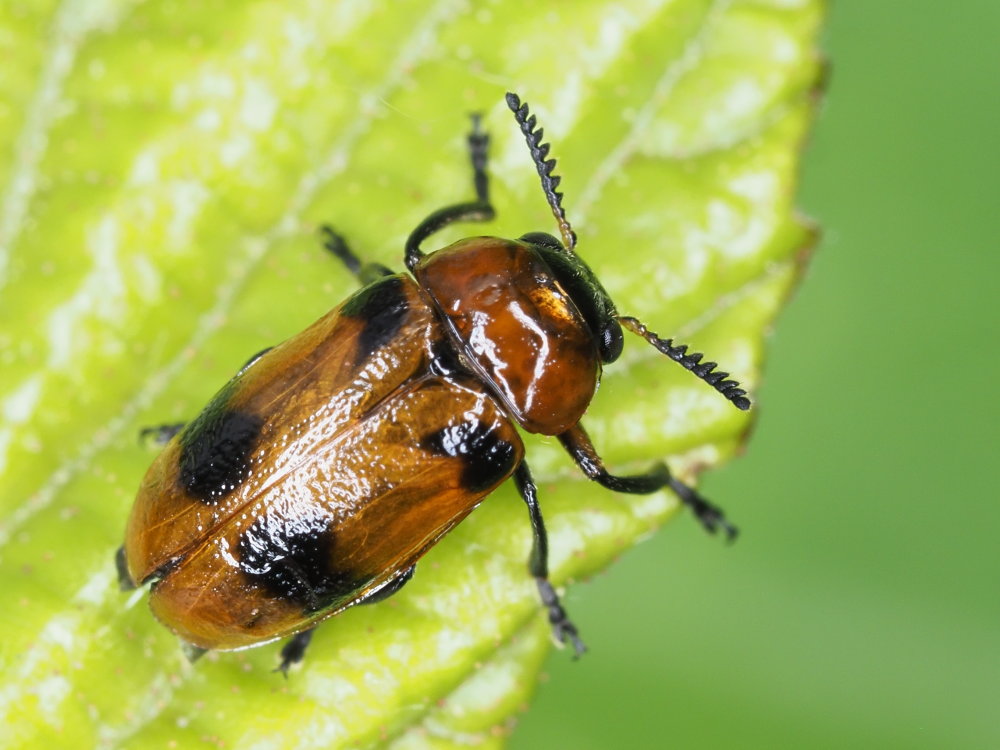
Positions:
{"x": 162, "y": 172}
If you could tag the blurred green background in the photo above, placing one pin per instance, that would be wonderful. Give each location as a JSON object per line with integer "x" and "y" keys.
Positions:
{"x": 861, "y": 607}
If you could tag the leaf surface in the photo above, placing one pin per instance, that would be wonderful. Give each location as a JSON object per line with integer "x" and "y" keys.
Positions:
{"x": 162, "y": 174}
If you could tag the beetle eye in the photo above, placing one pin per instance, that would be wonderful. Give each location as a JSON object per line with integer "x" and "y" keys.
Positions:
{"x": 542, "y": 238}
{"x": 611, "y": 342}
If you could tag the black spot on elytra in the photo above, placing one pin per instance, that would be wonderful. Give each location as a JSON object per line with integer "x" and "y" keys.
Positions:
{"x": 382, "y": 307}
{"x": 216, "y": 449}
{"x": 292, "y": 559}
{"x": 487, "y": 458}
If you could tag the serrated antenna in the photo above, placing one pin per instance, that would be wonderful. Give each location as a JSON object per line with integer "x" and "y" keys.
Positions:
{"x": 704, "y": 370}
{"x": 539, "y": 152}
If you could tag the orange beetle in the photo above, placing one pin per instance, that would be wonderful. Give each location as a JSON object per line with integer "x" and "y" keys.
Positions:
{"x": 319, "y": 475}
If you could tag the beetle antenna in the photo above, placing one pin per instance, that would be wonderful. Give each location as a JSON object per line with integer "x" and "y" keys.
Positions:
{"x": 704, "y": 370}
{"x": 539, "y": 152}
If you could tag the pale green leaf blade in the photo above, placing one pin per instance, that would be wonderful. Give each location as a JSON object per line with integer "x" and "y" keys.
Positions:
{"x": 162, "y": 172}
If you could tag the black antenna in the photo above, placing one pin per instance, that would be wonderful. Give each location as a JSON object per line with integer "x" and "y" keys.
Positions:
{"x": 539, "y": 151}
{"x": 704, "y": 370}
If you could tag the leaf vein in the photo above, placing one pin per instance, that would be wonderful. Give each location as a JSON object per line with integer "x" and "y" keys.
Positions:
{"x": 417, "y": 46}
{"x": 69, "y": 28}
{"x": 672, "y": 74}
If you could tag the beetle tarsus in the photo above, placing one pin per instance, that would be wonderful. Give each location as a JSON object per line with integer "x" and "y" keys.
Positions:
{"x": 337, "y": 245}
{"x": 562, "y": 627}
{"x": 192, "y": 652}
{"x": 294, "y": 651}
{"x": 160, "y": 434}
{"x": 479, "y": 144}
{"x": 125, "y": 582}
{"x": 710, "y": 516}
{"x": 479, "y": 210}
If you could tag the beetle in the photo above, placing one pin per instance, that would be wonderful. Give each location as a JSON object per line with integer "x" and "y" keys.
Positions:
{"x": 328, "y": 465}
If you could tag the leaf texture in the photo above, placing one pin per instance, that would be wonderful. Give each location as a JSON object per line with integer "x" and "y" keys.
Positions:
{"x": 163, "y": 170}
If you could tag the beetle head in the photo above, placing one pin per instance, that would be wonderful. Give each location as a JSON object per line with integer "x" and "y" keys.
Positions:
{"x": 582, "y": 285}
{"x": 587, "y": 293}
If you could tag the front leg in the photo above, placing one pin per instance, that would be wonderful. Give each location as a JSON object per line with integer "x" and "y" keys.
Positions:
{"x": 480, "y": 209}
{"x": 577, "y": 443}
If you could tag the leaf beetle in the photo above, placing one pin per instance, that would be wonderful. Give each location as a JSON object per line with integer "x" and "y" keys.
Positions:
{"x": 318, "y": 476}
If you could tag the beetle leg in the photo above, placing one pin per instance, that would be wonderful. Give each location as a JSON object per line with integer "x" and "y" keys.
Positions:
{"x": 294, "y": 650}
{"x": 254, "y": 358}
{"x": 192, "y": 652}
{"x": 380, "y": 595}
{"x": 577, "y": 443}
{"x": 562, "y": 627}
{"x": 479, "y": 210}
{"x": 366, "y": 272}
{"x": 161, "y": 433}
{"x": 125, "y": 582}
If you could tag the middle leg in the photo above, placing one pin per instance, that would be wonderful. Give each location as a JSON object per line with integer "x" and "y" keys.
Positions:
{"x": 365, "y": 272}
{"x": 563, "y": 629}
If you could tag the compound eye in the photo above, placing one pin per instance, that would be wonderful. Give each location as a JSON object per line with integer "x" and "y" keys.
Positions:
{"x": 612, "y": 341}
{"x": 542, "y": 238}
